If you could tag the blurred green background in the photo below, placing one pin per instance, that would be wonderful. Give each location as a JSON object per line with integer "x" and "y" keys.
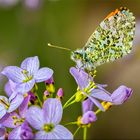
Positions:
{"x": 26, "y": 28}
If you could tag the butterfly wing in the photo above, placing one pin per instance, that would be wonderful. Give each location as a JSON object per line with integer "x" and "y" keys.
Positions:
{"x": 112, "y": 39}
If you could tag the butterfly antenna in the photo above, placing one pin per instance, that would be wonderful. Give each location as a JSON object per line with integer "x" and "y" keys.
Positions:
{"x": 58, "y": 47}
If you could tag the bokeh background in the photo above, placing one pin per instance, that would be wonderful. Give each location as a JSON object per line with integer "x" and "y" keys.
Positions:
{"x": 26, "y": 26}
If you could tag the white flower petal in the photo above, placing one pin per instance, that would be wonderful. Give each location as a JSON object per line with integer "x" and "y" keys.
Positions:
{"x": 31, "y": 64}
{"x": 14, "y": 73}
{"x": 52, "y": 109}
{"x": 43, "y": 74}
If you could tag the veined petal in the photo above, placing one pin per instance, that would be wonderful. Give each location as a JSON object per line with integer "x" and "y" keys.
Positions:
{"x": 60, "y": 132}
{"x": 42, "y": 135}
{"x": 96, "y": 102}
{"x": 25, "y": 87}
{"x": 15, "y": 134}
{"x": 8, "y": 120}
{"x": 43, "y": 74}
{"x": 14, "y": 73}
{"x": 100, "y": 94}
{"x": 2, "y": 110}
{"x": 31, "y": 64}
{"x": 9, "y": 88}
{"x": 52, "y": 109}
{"x": 81, "y": 77}
{"x": 87, "y": 105}
{"x": 24, "y": 106}
{"x": 15, "y": 102}
{"x": 34, "y": 117}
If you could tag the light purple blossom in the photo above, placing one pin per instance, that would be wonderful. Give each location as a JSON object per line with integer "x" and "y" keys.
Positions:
{"x": 27, "y": 75}
{"x": 120, "y": 95}
{"x": 21, "y": 130}
{"x": 7, "y": 105}
{"x": 47, "y": 119}
{"x": 88, "y": 117}
{"x": 87, "y": 105}
{"x": 84, "y": 81}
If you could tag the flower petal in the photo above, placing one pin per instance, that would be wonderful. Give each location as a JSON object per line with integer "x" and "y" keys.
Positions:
{"x": 2, "y": 110}
{"x": 52, "y": 109}
{"x": 2, "y": 132}
{"x": 81, "y": 77}
{"x": 31, "y": 64}
{"x": 61, "y": 132}
{"x": 15, "y": 102}
{"x": 25, "y": 87}
{"x": 121, "y": 94}
{"x": 8, "y": 120}
{"x": 34, "y": 117}
{"x": 100, "y": 94}
{"x": 24, "y": 106}
{"x": 43, "y": 74}
{"x": 42, "y": 135}
{"x": 96, "y": 102}
{"x": 14, "y": 73}
{"x": 15, "y": 134}
{"x": 87, "y": 105}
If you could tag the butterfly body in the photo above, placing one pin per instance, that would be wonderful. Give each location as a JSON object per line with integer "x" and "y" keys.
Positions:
{"x": 111, "y": 40}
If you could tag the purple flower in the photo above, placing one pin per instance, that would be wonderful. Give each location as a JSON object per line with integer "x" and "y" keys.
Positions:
{"x": 120, "y": 95}
{"x": 29, "y": 74}
{"x": 21, "y": 130}
{"x": 46, "y": 120}
{"x": 88, "y": 117}
{"x": 88, "y": 88}
{"x": 7, "y": 105}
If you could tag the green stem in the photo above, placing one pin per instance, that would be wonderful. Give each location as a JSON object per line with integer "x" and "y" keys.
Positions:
{"x": 98, "y": 111}
{"x": 85, "y": 133}
{"x": 38, "y": 99}
{"x": 70, "y": 123}
{"x": 72, "y": 97}
{"x": 69, "y": 104}
{"x": 76, "y": 131}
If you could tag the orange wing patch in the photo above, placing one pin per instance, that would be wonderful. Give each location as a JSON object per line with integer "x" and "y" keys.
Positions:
{"x": 112, "y": 13}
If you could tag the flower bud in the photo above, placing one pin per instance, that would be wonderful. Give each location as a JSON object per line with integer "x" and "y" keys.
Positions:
{"x": 121, "y": 94}
{"x": 60, "y": 93}
{"x": 49, "y": 81}
{"x": 88, "y": 117}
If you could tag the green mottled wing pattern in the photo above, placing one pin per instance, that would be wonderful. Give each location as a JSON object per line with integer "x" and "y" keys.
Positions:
{"x": 111, "y": 40}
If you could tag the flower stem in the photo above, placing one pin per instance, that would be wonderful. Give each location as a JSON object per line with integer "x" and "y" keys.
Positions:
{"x": 85, "y": 133}
{"x": 38, "y": 99}
{"x": 65, "y": 105}
{"x": 98, "y": 111}
{"x": 76, "y": 131}
{"x": 70, "y": 123}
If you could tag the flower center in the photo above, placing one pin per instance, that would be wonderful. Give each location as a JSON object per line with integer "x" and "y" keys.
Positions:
{"x": 27, "y": 76}
{"x": 18, "y": 121}
{"x": 48, "y": 127}
{"x": 6, "y": 104}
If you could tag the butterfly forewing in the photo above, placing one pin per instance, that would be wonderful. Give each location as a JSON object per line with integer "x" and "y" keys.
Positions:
{"x": 111, "y": 40}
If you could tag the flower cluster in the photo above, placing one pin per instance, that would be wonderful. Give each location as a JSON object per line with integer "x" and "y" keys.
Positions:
{"x": 25, "y": 114}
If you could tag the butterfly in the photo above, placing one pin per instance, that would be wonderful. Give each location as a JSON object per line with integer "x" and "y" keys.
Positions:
{"x": 111, "y": 40}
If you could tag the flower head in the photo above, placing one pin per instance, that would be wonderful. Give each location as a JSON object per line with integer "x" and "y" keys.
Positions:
{"x": 28, "y": 74}
{"x": 47, "y": 119}
{"x": 120, "y": 95}
{"x": 7, "y": 105}
{"x": 88, "y": 88}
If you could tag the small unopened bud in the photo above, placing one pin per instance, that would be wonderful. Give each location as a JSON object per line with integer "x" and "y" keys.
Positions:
{"x": 60, "y": 93}
{"x": 88, "y": 117}
{"x": 49, "y": 81}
